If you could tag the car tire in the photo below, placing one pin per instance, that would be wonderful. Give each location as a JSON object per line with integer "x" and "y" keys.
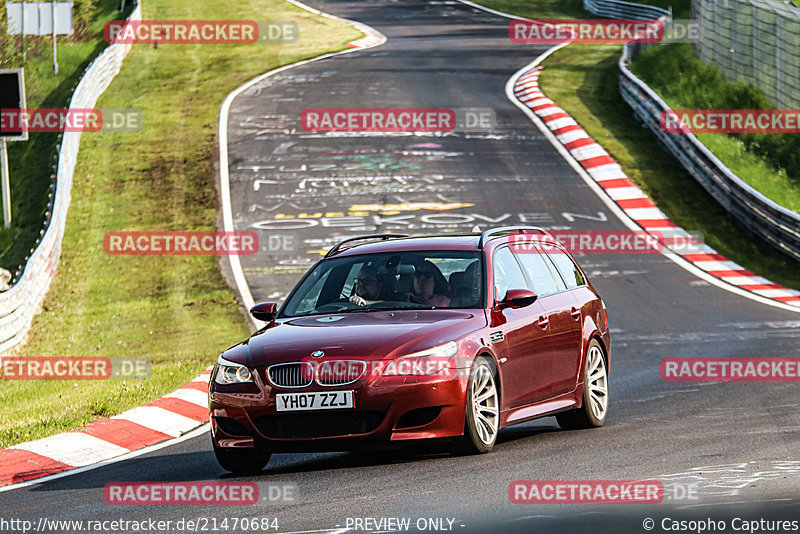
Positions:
{"x": 482, "y": 418}
{"x": 241, "y": 460}
{"x": 595, "y": 392}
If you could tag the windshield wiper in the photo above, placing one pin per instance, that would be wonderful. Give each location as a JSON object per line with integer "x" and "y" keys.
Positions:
{"x": 384, "y": 308}
{"x": 369, "y": 308}
{"x": 362, "y": 309}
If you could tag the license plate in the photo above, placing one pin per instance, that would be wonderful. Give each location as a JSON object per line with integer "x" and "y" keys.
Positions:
{"x": 293, "y": 402}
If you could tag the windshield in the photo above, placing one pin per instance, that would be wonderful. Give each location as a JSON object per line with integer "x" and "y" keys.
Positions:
{"x": 404, "y": 280}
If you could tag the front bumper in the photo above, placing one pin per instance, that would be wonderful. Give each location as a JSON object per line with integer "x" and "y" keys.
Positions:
{"x": 386, "y": 410}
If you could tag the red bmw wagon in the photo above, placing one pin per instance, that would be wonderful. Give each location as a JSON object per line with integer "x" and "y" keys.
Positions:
{"x": 391, "y": 338}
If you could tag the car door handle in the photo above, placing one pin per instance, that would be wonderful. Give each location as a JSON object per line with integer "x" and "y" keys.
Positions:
{"x": 576, "y": 314}
{"x": 543, "y": 322}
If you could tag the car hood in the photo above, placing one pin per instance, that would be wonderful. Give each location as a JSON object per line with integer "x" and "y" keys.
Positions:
{"x": 370, "y": 335}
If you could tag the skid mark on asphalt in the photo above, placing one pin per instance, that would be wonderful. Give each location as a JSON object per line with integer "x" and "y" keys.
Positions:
{"x": 705, "y": 336}
{"x": 731, "y": 479}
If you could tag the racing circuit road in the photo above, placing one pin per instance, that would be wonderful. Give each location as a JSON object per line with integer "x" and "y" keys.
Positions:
{"x": 310, "y": 189}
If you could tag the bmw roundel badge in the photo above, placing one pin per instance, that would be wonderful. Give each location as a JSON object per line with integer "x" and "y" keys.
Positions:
{"x": 317, "y": 354}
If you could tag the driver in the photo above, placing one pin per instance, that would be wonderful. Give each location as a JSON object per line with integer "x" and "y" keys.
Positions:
{"x": 429, "y": 286}
{"x": 368, "y": 287}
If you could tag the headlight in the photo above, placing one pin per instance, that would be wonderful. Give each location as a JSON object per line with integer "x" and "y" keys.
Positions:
{"x": 426, "y": 362}
{"x": 231, "y": 373}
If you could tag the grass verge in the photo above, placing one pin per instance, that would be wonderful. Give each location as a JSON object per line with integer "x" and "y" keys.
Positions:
{"x": 175, "y": 310}
{"x": 770, "y": 162}
{"x": 31, "y": 162}
{"x": 584, "y": 80}
{"x": 573, "y": 9}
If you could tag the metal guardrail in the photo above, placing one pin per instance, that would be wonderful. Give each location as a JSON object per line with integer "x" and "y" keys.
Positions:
{"x": 19, "y": 304}
{"x": 754, "y": 40}
{"x": 617, "y": 9}
{"x": 775, "y": 224}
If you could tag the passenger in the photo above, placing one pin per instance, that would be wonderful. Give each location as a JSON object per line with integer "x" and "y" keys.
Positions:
{"x": 429, "y": 286}
{"x": 368, "y": 287}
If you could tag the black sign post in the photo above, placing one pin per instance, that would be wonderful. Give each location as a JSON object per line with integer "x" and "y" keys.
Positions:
{"x": 12, "y": 127}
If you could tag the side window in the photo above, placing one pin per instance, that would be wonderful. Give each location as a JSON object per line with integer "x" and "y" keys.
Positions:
{"x": 569, "y": 271}
{"x": 539, "y": 273}
{"x": 312, "y": 295}
{"x": 557, "y": 277}
{"x": 350, "y": 278}
{"x": 507, "y": 274}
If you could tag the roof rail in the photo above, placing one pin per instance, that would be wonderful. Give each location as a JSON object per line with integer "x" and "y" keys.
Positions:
{"x": 507, "y": 230}
{"x": 338, "y": 245}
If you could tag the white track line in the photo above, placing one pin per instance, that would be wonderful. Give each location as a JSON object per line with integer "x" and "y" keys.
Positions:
{"x": 146, "y": 450}
{"x": 168, "y": 422}
{"x": 224, "y": 174}
{"x": 600, "y": 192}
{"x": 73, "y": 448}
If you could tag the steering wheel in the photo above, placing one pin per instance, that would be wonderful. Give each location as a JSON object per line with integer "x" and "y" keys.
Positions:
{"x": 337, "y": 305}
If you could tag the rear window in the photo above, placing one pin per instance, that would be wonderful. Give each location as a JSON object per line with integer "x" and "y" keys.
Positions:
{"x": 567, "y": 268}
{"x": 539, "y": 273}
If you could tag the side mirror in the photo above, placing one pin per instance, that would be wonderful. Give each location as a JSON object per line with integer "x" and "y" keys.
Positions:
{"x": 264, "y": 311}
{"x": 518, "y": 298}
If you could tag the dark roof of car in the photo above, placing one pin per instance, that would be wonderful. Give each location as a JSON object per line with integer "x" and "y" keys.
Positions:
{"x": 378, "y": 243}
{"x": 407, "y": 244}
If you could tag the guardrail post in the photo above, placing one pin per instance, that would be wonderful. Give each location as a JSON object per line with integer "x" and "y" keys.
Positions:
{"x": 773, "y": 223}
{"x": 779, "y": 58}
{"x": 756, "y": 38}
{"x": 6, "y": 185}
{"x": 31, "y": 281}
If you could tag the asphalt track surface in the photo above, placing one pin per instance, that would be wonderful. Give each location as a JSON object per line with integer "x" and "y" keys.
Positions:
{"x": 736, "y": 443}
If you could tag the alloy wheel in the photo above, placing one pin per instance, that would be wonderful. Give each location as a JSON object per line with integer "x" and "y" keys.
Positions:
{"x": 597, "y": 382}
{"x": 484, "y": 404}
